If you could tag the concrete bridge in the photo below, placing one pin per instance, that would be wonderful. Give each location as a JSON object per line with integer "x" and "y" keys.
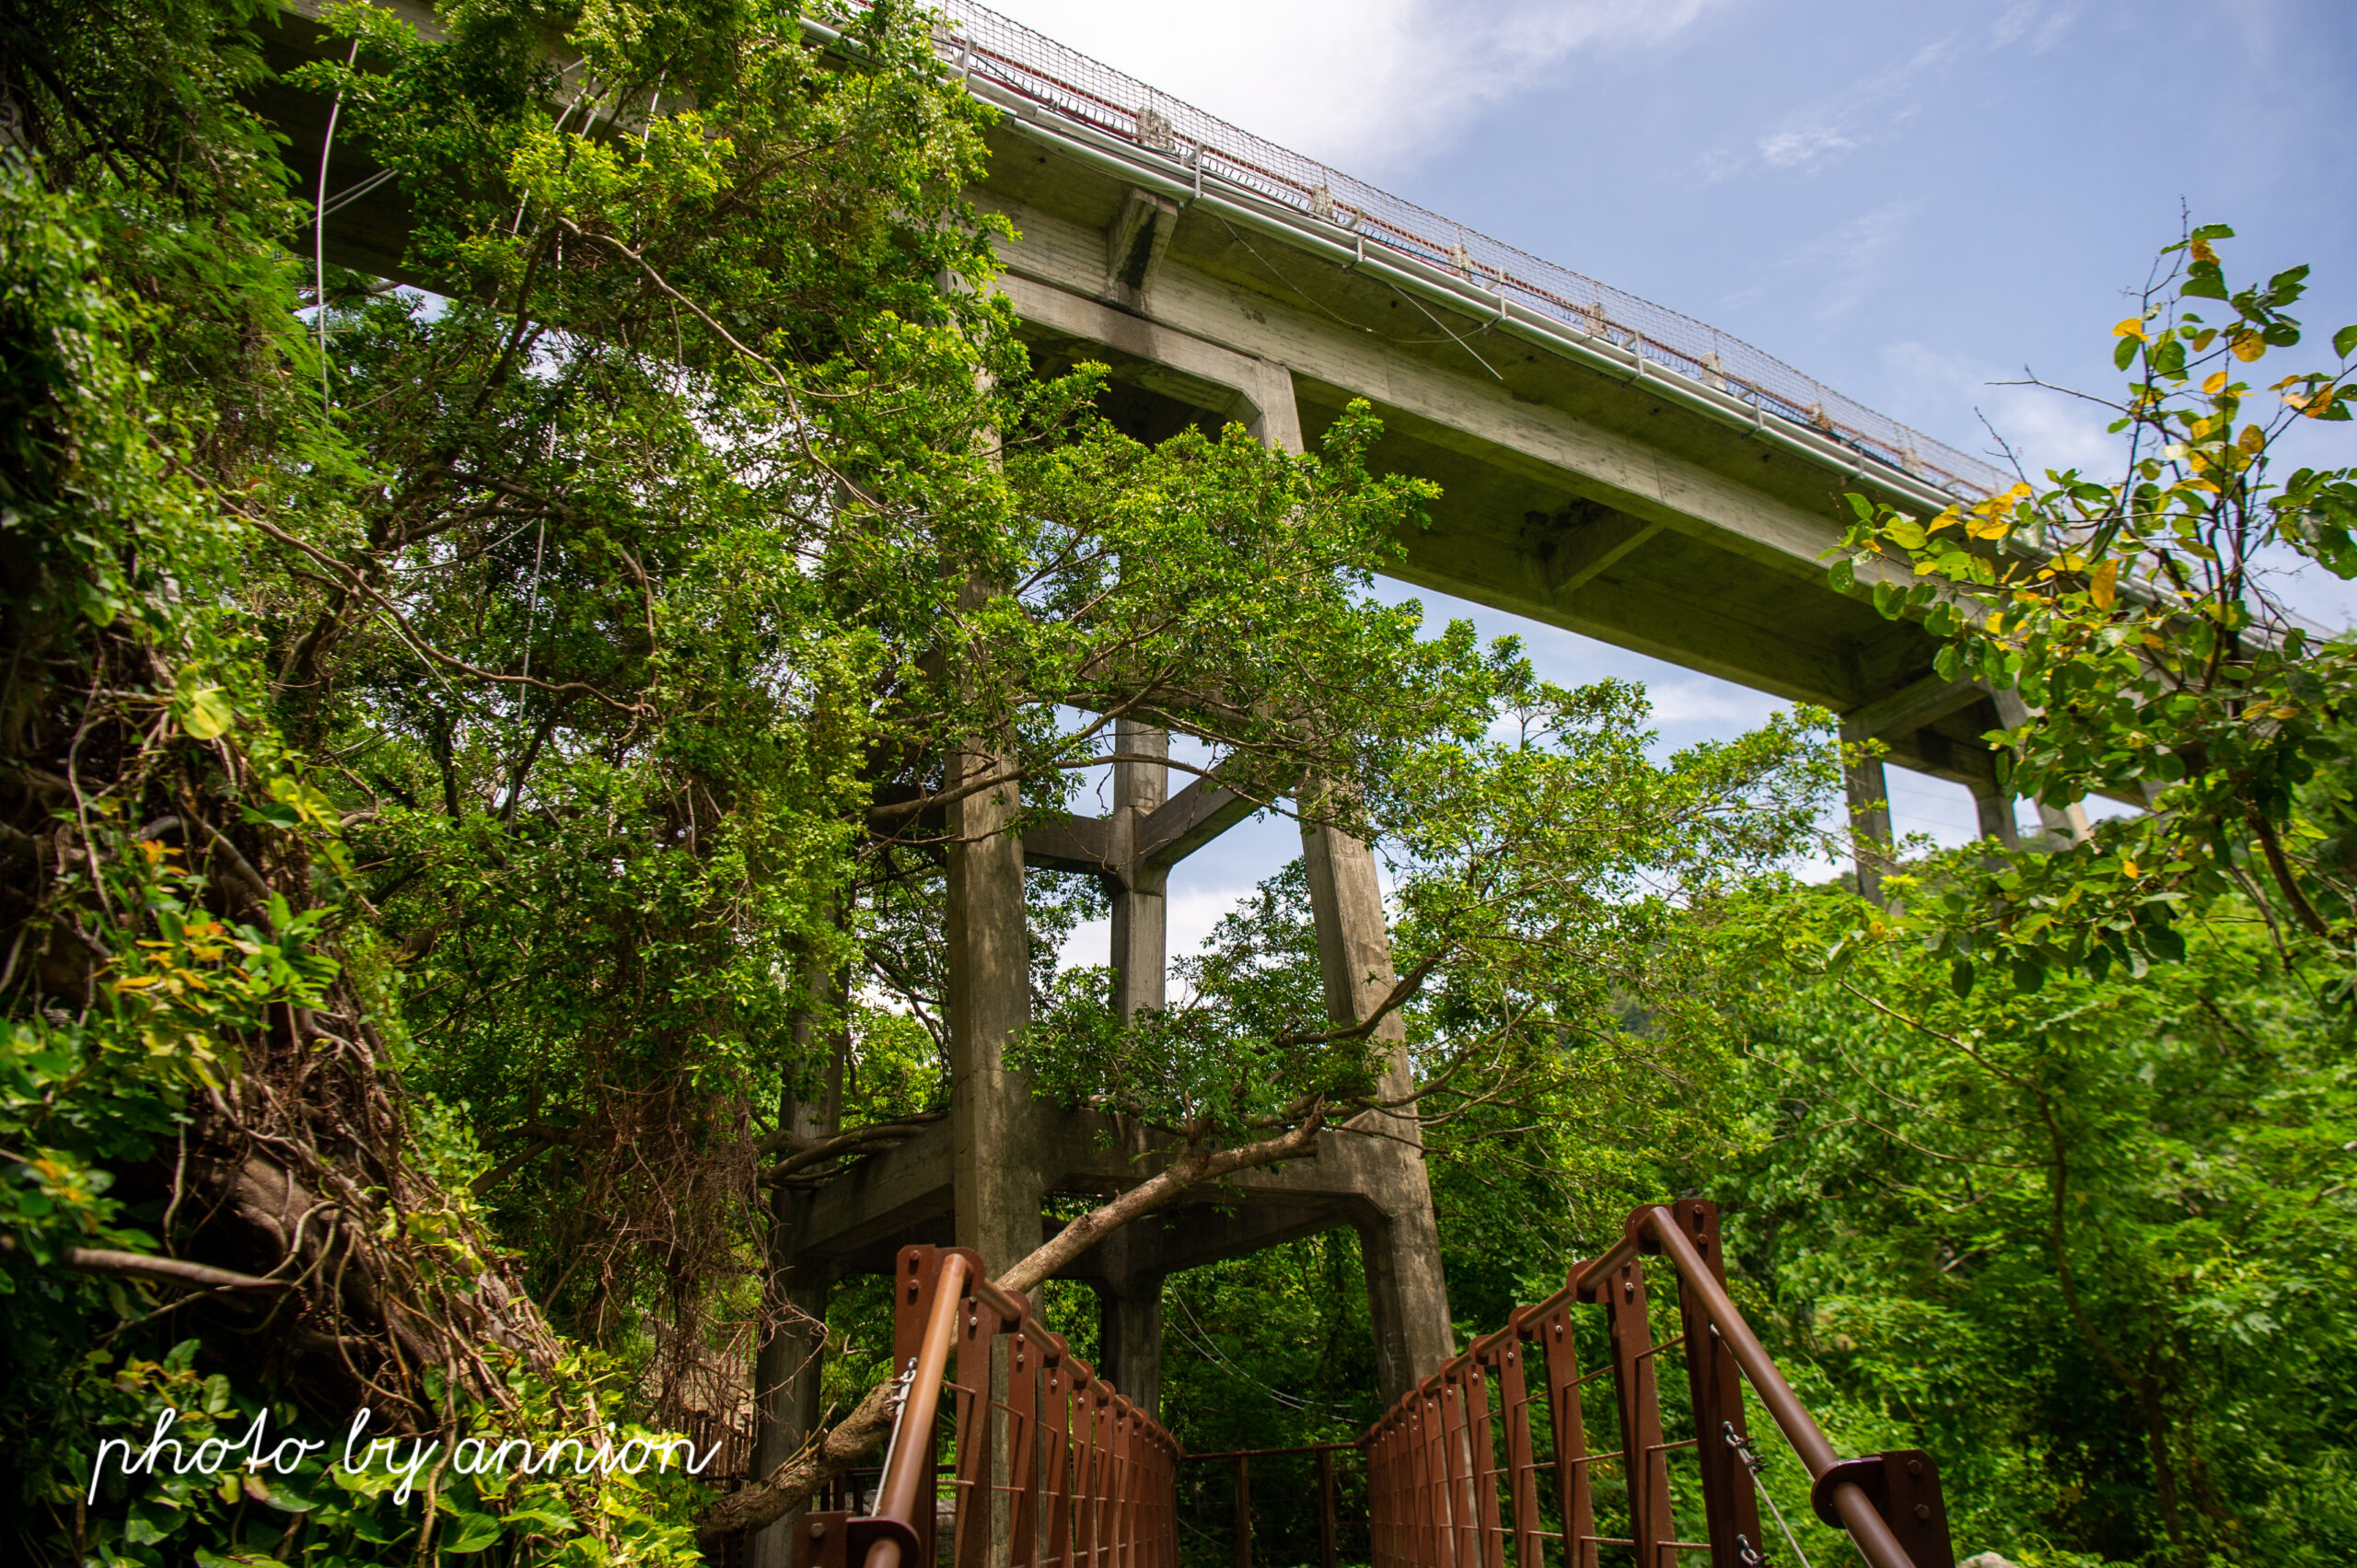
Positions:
{"x": 1607, "y": 466}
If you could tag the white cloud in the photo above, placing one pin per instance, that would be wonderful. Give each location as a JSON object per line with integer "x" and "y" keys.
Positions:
{"x": 1703, "y": 701}
{"x": 1191, "y": 913}
{"x": 1864, "y": 111}
{"x": 2009, "y": 26}
{"x": 1843, "y": 266}
{"x": 1365, "y": 85}
{"x": 2045, "y": 429}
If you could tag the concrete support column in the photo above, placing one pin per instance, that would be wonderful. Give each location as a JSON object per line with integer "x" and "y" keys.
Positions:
{"x": 1141, "y": 910}
{"x": 1406, "y": 1296}
{"x": 2065, "y": 825}
{"x": 1995, "y": 809}
{"x": 1129, "y": 1343}
{"x": 995, "y": 1170}
{"x": 787, "y": 1367}
{"x": 1869, "y": 792}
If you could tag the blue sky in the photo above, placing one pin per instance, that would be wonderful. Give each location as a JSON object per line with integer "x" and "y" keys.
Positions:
{"x": 1909, "y": 202}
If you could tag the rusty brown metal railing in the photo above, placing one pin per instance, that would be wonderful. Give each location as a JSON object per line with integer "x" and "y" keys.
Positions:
{"x": 1052, "y": 1467}
{"x": 1442, "y": 1498}
{"x": 1240, "y": 1461}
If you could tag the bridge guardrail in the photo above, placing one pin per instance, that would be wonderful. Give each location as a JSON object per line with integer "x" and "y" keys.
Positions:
{"x": 1078, "y": 1476}
{"x": 1442, "y": 1499}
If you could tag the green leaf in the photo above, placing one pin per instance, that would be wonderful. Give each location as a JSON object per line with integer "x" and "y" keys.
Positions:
{"x": 1961, "y": 976}
{"x": 475, "y": 1532}
{"x": 2123, "y": 353}
{"x": 206, "y": 713}
{"x": 2344, "y": 341}
{"x": 2203, "y": 281}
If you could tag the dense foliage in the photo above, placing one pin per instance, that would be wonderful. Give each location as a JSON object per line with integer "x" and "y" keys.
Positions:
{"x": 479, "y": 761}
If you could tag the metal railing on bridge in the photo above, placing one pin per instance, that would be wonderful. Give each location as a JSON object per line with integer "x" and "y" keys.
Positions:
{"x": 1054, "y": 1468}
{"x": 1051, "y": 1466}
{"x": 1443, "y": 1498}
{"x": 1048, "y": 78}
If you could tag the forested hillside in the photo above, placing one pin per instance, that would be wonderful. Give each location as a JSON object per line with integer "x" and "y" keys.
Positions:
{"x": 481, "y": 758}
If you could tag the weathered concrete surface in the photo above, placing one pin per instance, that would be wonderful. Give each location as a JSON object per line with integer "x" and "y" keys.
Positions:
{"x": 1141, "y": 903}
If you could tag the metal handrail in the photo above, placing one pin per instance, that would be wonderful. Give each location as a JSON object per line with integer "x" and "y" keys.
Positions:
{"x": 1044, "y": 80}
{"x": 1107, "y": 1466}
{"x": 1433, "y": 1467}
{"x": 908, "y": 1467}
{"x": 1865, "y": 1523}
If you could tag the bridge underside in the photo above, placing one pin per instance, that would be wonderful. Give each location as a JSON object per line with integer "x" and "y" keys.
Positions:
{"x": 1622, "y": 505}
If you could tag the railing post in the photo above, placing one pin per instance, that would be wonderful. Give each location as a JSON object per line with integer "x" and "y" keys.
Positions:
{"x": 1643, "y": 1464}
{"x": 917, "y": 1282}
{"x": 1243, "y": 1512}
{"x": 1574, "y": 1488}
{"x": 1490, "y": 1539}
{"x": 1088, "y": 1461}
{"x": 1432, "y": 1497}
{"x": 1057, "y": 1459}
{"x": 1118, "y": 1490}
{"x": 1381, "y": 1510}
{"x": 976, "y": 1493}
{"x": 1450, "y": 1474}
{"x": 1522, "y": 1469}
{"x": 822, "y": 1541}
{"x": 1107, "y": 1433}
{"x": 1326, "y": 1508}
{"x": 1023, "y": 1382}
{"x": 1729, "y": 1501}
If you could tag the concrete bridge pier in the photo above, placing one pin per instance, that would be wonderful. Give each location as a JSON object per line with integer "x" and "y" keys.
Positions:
{"x": 1399, "y": 1247}
{"x": 998, "y": 1184}
{"x": 1140, "y": 904}
{"x": 787, "y": 1364}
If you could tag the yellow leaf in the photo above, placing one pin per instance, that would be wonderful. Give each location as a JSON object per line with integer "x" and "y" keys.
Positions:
{"x": 2202, "y": 251}
{"x": 2131, "y": 328}
{"x": 2248, "y": 346}
{"x": 2254, "y": 440}
{"x": 2216, "y": 384}
{"x": 2129, "y": 866}
{"x": 2104, "y": 582}
{"x": 206, "y": 713}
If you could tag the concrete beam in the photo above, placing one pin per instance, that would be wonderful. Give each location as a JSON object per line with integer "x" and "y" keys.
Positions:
{"x": 1913, "y": 705}
{"x": 1188, "y": 821}
{"x": 1070, "y": 844}
{"x": 1177, "y": 829}
{"x": 1627, "y": 473}
{"x": 1136, "y": 241}
{"x": 1580, "y": 542}
{"x": 1261, "y": 391}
